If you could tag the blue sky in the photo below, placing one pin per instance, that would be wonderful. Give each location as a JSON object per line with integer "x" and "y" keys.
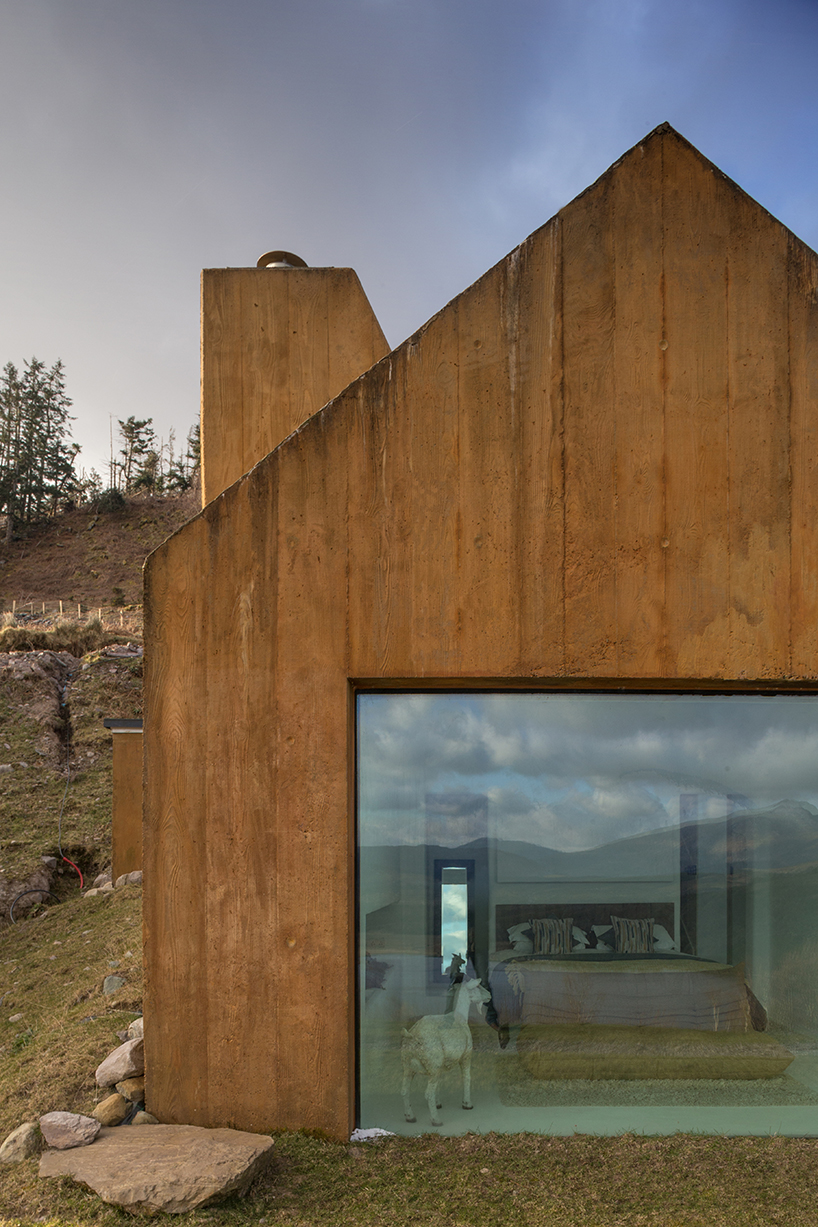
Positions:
{"x": 416, "y": 140}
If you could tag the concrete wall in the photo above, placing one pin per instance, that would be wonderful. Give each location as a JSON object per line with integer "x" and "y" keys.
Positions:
{"x": 595, "y": 467}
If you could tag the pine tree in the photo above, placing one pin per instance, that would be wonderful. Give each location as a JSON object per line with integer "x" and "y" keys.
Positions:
{"x": 139, "y": 441}
{"x": 37, "y": 474}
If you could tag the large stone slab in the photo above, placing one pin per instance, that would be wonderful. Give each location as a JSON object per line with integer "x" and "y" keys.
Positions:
{"x": 170, "y": 1168}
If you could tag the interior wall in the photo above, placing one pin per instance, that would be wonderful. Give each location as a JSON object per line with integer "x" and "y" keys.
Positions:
{"x": 598, "y": 463}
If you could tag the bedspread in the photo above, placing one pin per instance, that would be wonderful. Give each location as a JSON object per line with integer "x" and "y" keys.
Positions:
{"x": 646, "y": 992}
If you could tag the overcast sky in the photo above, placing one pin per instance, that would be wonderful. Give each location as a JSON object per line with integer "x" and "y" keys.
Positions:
{"x": 416, "y": 140}
{"x": 572, "y": 771}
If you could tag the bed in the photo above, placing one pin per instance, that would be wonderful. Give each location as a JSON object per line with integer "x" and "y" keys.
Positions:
{"x": 598, "y": 999}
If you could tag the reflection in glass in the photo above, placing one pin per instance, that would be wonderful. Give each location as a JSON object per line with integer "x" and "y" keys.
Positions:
{"x": 640, "y": 903}
{"x": 454, "y": 910}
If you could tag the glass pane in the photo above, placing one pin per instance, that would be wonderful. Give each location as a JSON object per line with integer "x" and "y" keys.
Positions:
{"x": 454, "y": 913}
{"x": 634, "y": 944}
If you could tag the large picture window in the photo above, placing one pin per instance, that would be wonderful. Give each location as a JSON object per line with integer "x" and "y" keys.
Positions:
{"x": 588, "y": 912}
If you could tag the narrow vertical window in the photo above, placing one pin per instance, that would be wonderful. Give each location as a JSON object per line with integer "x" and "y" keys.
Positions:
{"x": 454, "y": 915}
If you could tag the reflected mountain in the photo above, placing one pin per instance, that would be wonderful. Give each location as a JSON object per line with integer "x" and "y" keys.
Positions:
{"x": 783, "y": 836}
{"x": 779, "y": 837}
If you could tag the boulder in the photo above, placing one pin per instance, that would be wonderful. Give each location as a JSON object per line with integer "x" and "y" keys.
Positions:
{"x": 169, "y": 1168}
{"x": 112, "y": 984}
{"x": 144, "y": 1118}
{"x": 126, "y": 1061}
{"x": 67, "y": 1130}
{"x": 24, "y": 1142}
{"x": 134, "y": 878}
{"x": 136, "y": 1029}
{"x": 133, "y": 1089}
{"x": 112, "y": 1111}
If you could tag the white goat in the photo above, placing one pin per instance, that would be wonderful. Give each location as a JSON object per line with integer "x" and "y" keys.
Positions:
{"x": 438, "y": 1042}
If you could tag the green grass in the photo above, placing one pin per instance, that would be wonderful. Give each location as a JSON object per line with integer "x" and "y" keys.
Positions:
{"x": 52, "y": 969}
{"x": 51, "y": 972}
{"x": 31, "y": 796}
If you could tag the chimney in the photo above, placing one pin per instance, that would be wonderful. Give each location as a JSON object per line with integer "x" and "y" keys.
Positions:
{"x": 278, "y": 342}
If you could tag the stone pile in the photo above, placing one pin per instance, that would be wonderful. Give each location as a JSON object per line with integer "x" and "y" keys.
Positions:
{"x": 170, "y": 1168}
{"x": 123, "y": 1074}
{"x": 103, "y": 885}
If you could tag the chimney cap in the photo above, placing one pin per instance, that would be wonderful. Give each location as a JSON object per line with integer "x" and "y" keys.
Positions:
{"x": 281, "y": 259}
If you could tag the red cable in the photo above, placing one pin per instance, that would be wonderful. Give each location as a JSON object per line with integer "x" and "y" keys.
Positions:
{"x": 73, "y": 866}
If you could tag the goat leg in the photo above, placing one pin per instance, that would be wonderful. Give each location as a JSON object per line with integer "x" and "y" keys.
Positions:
{"x": 465, "y": 1065}
{"x": 407, "y": 1107}
{"x": 431, "y": 1099}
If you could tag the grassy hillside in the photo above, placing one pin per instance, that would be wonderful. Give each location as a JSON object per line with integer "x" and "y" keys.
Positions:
{"x": 88, "y": 557}
{"x": 54, "y": 693}
{"x": 55, "y": 756}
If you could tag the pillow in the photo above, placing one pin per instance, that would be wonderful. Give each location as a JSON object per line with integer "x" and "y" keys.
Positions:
{"x": 662, "y": 940}
{"x": 523, "y": 945}
{"x": 580, "y": 939}
{"x": 633, "y": 936}
{"x": 522, "y": 938}
{"x": 553, "y": 936}
{"x": 605, "y": 939}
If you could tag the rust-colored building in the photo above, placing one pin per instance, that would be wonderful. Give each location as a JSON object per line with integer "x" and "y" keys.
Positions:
{"x": 594, "y": 470}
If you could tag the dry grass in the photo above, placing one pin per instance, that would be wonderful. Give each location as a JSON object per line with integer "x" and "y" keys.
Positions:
{"x": 78, "y": 638}
{"x": 88, "y": 556}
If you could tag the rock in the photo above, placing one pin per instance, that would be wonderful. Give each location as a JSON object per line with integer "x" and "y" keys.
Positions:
{"x": 144, "y": 1118}
{"x": 90, "y": 894}
{"x": 50, "y": 862}
{"x": 24, "y": 1142}
{"x": 106, "y": 888}
{"x": 169, "y": 1168}
{"x": 133, "y": 1089}
{"x": 67, "y": 1130}
{"x": 15, "y": 1018}
{"x": 101, "y": 879}
{"x": 130, "y": 879}
{"x": 136, "y": 1029}
{"x": 112, "y": 984}
{"x": 112, "y": 1111}
{"x": 126, "y": 1061}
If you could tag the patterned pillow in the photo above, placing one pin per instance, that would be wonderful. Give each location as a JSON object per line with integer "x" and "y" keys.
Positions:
{"x": 553, "y": 936}
{"x": 633, "y": 936}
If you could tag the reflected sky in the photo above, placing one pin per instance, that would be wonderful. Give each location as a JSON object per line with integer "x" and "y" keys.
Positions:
{"x": 574, "y": 772}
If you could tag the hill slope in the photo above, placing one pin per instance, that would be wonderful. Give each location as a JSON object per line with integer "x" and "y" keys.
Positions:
{"x": 93, "y": 558}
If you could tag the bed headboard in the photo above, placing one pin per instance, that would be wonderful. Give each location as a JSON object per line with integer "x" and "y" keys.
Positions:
{"x": 584, "y": 914}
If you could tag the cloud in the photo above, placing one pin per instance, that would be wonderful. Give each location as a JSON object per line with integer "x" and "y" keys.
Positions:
{"x": 576, "y": 771}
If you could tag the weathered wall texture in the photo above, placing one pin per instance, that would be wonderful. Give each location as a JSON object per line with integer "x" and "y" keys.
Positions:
{"x": 277, "y": 344}
{"x": 126, "y": 824}
{"x": 599, "y": 462}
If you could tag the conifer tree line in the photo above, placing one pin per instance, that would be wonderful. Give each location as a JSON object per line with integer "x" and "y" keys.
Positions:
{"x": 146, "y": 463}
{"x": 38, "y": 473}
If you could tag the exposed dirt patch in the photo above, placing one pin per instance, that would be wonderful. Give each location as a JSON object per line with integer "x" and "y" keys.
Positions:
{"x": 55, "y": 762}
{"x": 90, "y": 558}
